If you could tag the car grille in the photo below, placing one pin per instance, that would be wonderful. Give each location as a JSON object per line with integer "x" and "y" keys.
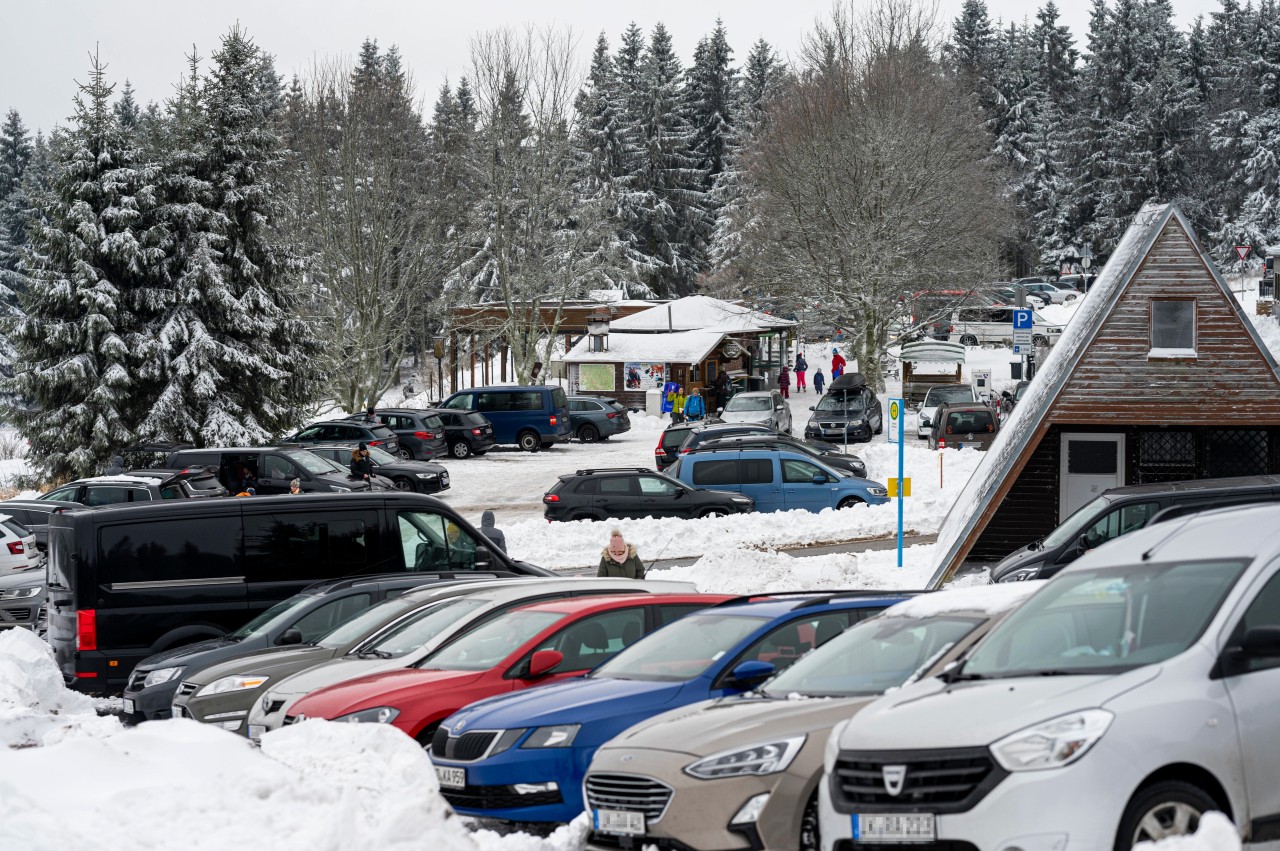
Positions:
{"x": 186, "y": 690}
{"x": 465, "y": 748}
{"x": 944, "y": 781}
{"x": 629, "y": 793}
{"x": 273, "y": 706}
{"x": 18, "y": 614}
{"x": 837, "y": 425}
{"x": 498, "y": 798}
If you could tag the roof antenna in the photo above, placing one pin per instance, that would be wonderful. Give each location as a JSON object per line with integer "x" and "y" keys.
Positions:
{"x": 1147, "y": 555}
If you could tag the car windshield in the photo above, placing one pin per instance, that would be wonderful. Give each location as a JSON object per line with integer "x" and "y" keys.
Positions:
{"x": 839, "y": 402}
{"x": 943, "y": 395}
{"x": 312, "y": 463}
{"x": 490, "y": 643}
{"x": 363, "y": 624}
{"x": 280, "y": 611}
{"x": 1075, "y": 524}
{"x": 682, "y": 650}
{"x": 381, "y": 456}
{"x": 1106, "y": 620}
{"x": 874, "y": 655}
{"x": 749, "y": 403}
{"x": 419, "y": 628}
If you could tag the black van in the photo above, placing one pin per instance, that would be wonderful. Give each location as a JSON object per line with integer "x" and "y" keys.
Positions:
{"x": 272, "y": 467}
{"x": 128, "y": 581}
{"x": 1119, "y": 511}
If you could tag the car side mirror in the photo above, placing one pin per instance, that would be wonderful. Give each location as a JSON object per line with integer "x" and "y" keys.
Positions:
{"x": 1261, "y": 642}
{"x": 812, "y": 408}
{"x": 926, "y": 422}
{"x": 484, "y": 558}
{"x": 719, "y": 411}
{"x": 292, "y": 635}
{"x": 542, "y": 662}
{"x": 819, "y": 478}
{"x": 680, "y": 492}
{"x": 750, "y": 674}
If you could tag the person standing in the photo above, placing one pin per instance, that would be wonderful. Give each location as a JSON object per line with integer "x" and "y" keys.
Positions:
{"x": 493, "y": 533}
{"x": 619, "y": 559}
{"x": 695, "y": 407}
{"x": 802, "y": 366}
{"x": 784, "y": 382}
{"x": 361, "y": 463}
{"x": 677, "y": 405}
{"x": 818, "y": 381}
{"x": 371, "y": 416}
{"x": 837, "y": 364}
{"x": 722, "y": 390}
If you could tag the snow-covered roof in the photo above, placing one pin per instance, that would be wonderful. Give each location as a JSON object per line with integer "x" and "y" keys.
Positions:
{"x": 675, "y": 347}
{"x": 933, "y": 351}
{"x": 986, "y": 599}
{"x": 129, "y": 478}
{"x": 1019, "y": 432}
{"x": 700, "y": 312}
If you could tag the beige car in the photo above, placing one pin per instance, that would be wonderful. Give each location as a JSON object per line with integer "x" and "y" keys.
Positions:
{"x": 742, "y": 772}
{"x": 956, "y": 426}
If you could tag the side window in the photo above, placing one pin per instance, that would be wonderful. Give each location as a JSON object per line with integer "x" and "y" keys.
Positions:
{"x": 396, "y": 422}
{"x": 171, "y": 491}
{"x": 757, "y": 471}
{"x": 788, "y": 642}
{"x": 618, "y": 486}
{"x": 433, "y": 542}
{"x": 1263, "y": 611}
{"x": 588, "y": 486}
{"x": 1119, "y": 522}
{"x": 276, "y": 467}
{"x": 462, "y": 402}
{"x": 325, "y": 619}
{"x": 175, "y": 550}
{"x": 67, "y": 494}
{"x": 715, "y": 471}
{"x": 312, "y": 433}
{"x": 292, "y": 546}
{"x": 577, "y": 405}
{"x": 653, "y": 486}
{"x": 795, "y": 472}
{"x": 350, "y": 432}
{"x": 114, "y": 495}
{"x": 671, "y": 614}
{"x": 530, "y": 401}
{"x": 593, "y": 640}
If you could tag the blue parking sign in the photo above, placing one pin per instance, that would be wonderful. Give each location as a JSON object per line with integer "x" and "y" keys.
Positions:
{"x": 1022, "y": 319}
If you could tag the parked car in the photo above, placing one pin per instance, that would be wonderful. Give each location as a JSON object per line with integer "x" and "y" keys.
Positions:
{"x": 1131, "y": 694}
{"x": 1055, "y": 294}
{"x": 593, "y": 418}
{"x": 777, "y": 479}
{"x": 1007, "y": 295}
{"x": 725, "y": 650}
{"x": 429, "y": 615}
{"x": 635, "y": 492}
{"x": 22, "y": 598}
{"x": 348, "y": 431}
{"x": 533, "y": 645}
{"x": 849, "y": 410}
{"x": 1119, "y": 511}
{"x": 190, "y": 482}
{"x": 33, "y": 514}
{"x": 765, "y": 407}
{"x": 966, "y": 425}
{"x": 1079, "y": 283}
{"x": 128, "y": 581}
{"x": 413, "y": 476}
{"x": 303, "y": 618}
{"x": 828, "y": 454}
{"x": 941, "y": 394}
{"x": 272, "y": 468}
{"x": 743, "y": 770}
{"x": 533, "y": 417}
{"x": 421, "y": 433}
{"x": 973, "y": 326}
{"x": 696, "y": 437}
{"x": 18, "y": 550}
{"x": 674, "y": 436}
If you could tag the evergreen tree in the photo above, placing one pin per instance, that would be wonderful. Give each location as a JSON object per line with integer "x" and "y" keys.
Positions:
{"x": 16, "y": 152}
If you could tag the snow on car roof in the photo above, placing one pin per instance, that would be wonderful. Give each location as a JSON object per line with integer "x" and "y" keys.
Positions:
{"x": 987, "y": 599}
{"x": 129, "y": 477}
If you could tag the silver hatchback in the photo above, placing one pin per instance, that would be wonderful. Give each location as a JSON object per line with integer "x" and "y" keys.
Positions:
{"x": 766, "y": 407}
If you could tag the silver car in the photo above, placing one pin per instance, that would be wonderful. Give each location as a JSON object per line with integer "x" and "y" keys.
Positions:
{"x": 766, "y": 407}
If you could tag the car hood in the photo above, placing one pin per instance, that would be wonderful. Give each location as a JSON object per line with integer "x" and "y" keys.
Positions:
{"x": 746, "y": 416}
{"x": 203, "y": 653}
{"x": 1021, "y": 557}
{"x": 577, "y": 701}
{"x": 408, "y": 468}
{"x": 388, "y": 688}
{"x": 333, "y": 671}
{"x": 980, "y": 712}
{"x": 275, "y": 662}
{"x": 837, "y": 416}
{"x": 717, "y": 725}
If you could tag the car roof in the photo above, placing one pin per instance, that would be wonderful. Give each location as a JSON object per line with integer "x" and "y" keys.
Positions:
{"x": 964, "y": 407}
{"x": 42, "y": 504}
{"x": 783, "y": 604}
{"x": 1198, "y": 486}
{"x": 1249, "y": 532}
{"x": 606, "y": 602}
{"x": 755, "y": 393}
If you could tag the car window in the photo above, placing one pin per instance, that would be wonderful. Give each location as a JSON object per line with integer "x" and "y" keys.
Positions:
{"x": 461, "y": 402}
{"x": 578, "y": 405}
{"x": 297, "y": 545}
{"x": 757, "y": 471}
{"x": 970, "y": 422}
{"x": 1119, "y": 522}
{"x": 67, "y": 494}
{"x": 382, "y": 432}
{"x": 673, "y": 437}
{"x": 799, "y": 472}
{"x": 171, "y": 491}
{"x": 412, "y": 632}
{"x": 193, "y": 548}
{"x": 595, "y": 639}
{"x": 710, "y": 472}
{"x": 16, "y": 528}
{"x": 682, "y": 650}
{"x": 310, "y": 462}
{"x": 114, "y": 494}
{"x": 312, "y": 433}
{"x": 788, "y": 642}
{"x": 1263, "y": 611}
{"x": 618, "y": 485}
{"x": 587, "y": 486}
{"x": 653, "y": 486}
{"x": 431, "y": 541}
{"x": 277, "y": 467}
{"x": 491, "y": 642}
{"x": 671, "y": 614}
{"x": 324, "y": 619}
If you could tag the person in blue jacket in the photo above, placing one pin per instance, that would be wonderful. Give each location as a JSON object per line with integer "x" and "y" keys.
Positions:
{"x": 695, "y": 407}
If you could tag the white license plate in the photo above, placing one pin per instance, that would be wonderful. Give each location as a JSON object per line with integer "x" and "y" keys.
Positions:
{"x": 128, "y": 706}
{"x": 616, "y": 821}
{"x": 256, "y": 731}
{"x": 905, "y": 827}
{"x": 178, "y": 711}
{"x": 451, "y": 778}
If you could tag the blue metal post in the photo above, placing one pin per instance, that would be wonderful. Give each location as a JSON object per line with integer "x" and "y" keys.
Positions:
{"x": 902, "y": 488}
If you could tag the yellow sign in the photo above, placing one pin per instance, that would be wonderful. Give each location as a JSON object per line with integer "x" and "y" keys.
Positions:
{"x": 893, "y": 410}
{"x": 906, "y": 489}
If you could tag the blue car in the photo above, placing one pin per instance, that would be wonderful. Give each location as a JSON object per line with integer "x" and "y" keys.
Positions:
{"x": 523, "y": 756}
{"x": 777, "y": 479}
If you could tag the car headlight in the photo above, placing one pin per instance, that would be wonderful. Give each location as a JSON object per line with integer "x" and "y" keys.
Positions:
{"x": 768, "y": 758}
{"x": 1022, "y": 574}
{"x": 425, "y": 475}
{"x": 376, "y": 715}
{"x": 24, "y": 593}
{"x": 878, "y": 491}
{"x": 339, "y": 489}
{"x": 832, "y": 749}
{"x": 556, "y": 736}
{"x": 1053, "y": 743}
{"x": 226, "y": 684}
{"x": 162, "y": 675}
{"x": 740, "y": 498}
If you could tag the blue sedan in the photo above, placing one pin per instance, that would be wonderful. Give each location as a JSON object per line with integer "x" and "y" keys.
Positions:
{"x": 523, "y": 756}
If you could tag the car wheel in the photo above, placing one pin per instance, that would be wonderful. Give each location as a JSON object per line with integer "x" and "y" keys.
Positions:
{"x": 588, "y": 433}
{"x": 1039, "y": 340}
{"x": 404, "y": 454}
{"x": 582, "y": 515}
{"x": 850, "y": 502}
{"x": 810, "y": 838}
{"x": 968, "y": 340}
{"x": 1167, "y": 808}
{"x": 403, "y": 484}
{"x": 712, "y": 512}
{"x": 461, "y": 449}
{"x": 529, "y": 441}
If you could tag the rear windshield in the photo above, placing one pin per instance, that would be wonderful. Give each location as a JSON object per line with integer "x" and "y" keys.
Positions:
{"x": 62, "y": 556}
{"x": 559, "y": 399}
{"x": 943, "y": 395}
{"x": 17, "y": 528}
{"x": 475, "y": 419}
{"x": 433, "y": 422}
{"x": 673, "y": 437}
{"x": 968, "y": 422}
{"x": 204, "y": 483}
{"x": 382, "y": 431}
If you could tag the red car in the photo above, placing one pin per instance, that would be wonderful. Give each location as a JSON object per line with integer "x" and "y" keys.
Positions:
{"x": 529, "y": 646}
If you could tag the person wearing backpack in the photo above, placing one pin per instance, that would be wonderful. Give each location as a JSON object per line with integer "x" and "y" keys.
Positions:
{"x": 802, "y": 366}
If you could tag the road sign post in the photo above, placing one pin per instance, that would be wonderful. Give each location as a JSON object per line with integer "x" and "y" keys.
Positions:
{"x": 897, "y": 407}
{"x": 1023, "y": 321}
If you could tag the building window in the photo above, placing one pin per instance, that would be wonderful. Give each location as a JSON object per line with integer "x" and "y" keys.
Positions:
{"x": 1173, "y": 328}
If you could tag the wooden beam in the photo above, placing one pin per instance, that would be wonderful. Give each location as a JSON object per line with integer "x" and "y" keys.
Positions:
{"x": 485, "y": 367}
{"x": 472, "y": 350}
{"x": 503, "y": 342}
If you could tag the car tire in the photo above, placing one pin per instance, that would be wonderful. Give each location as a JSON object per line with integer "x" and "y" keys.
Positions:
{"x": 581, "y": 515}
{"x": 1039, "y": 340}
{"x": 712, "y": 512}
{"x": 529, "y": 441}
{"x": 1166, "y": 808}
{"x": 850, "y": 502}
{"x": 404, "y": 454}
{"x": 403, "y": 484}
{"x": 968, "y": 340}
{"x": 588, "y": 433}
{"x": 460, "y": 450}
{"x": 810, "y": 837}
{"x": 880, "y": 428}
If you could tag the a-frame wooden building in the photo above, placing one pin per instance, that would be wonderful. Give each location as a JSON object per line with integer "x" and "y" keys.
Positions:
{"x": 1159, "y": 377}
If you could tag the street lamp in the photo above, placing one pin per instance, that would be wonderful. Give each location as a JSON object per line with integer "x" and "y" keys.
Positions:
{"x": 598, "y": 330}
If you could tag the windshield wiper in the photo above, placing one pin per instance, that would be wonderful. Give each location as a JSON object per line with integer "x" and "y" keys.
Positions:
{"x": 373, "y": 654}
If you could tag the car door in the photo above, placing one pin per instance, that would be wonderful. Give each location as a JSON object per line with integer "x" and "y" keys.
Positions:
{"x": 661, "y": 498}
{"x": 759, "y": 478}
{"x": 781, "y": 414}
{"x": 801, "y": 488}
{"x": 276, "y": 473}
{"x": 619, "y": 496}
{"x": 589, "y": 641}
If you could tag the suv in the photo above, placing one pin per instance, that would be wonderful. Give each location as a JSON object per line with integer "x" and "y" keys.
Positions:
{"x": 849, "y": 410}
{"x": 419, "y": 476}
{"x": 186, "y": 482}
{"x": 592, "y": 418}
{"x": 272, "y": 469}
{"x": 824, "y": 452}
{"x": 958, "y": 426}
{"x": 635, "y": 492}
{"x": 420, "y": 432}
{"x": 533, "y": 417}
{"x": 34, "y": 514}
{"x": 348, "y": 431}
{"x": 1054, "y": 293}
{"x": 674, "y": 435}
{"x": 937, "y": 395}
{"x": 777, "y": 479}
{"x": 1130, "y": 695}
{"x": 466, "y": 432}
{"x": 763, "y": 407}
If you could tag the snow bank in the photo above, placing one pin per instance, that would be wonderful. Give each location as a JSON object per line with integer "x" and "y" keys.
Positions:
{"x": 35, "y": 707}
{"x": 1268, "y": 328}
{"x": 1216, "y": 833}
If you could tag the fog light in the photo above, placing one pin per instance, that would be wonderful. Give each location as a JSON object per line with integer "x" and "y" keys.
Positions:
{"x": 229, "y": 725}
{"x": 535, "y": 788}
{"x": 751, "y": 810}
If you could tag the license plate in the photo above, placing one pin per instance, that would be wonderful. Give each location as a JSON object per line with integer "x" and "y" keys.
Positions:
{"x": 906, "y": 827}
{"x": 256, "y": 731}
{"x": 451, "y": 778}
{"x": 178, "y": 711}
{"x": 128, "y": 706}
{"x": 616, "y": 821}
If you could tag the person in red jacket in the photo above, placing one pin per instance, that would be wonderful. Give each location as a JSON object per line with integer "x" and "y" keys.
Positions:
{"x": 837, "y": 364}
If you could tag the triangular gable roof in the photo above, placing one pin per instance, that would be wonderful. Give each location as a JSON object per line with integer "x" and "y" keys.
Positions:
{"x": 700, "y": 313}
{"x": 679, "y": 347}
{"x": 1021, "y": 435}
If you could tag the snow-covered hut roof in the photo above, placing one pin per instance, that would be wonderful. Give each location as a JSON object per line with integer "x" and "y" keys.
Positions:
{"x": 933, "y": 351}
{"x": 1020, "y": 434}
{"x": 676, "y": 347}
{"x": 700, "y": 312}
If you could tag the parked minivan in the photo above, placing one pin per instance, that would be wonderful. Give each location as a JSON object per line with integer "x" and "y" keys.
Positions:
{"x": 1130, "y": 695}
{"x": 129, "y": 581}
{"x": 778, "y": 480}
{"x": 1119, "y": 511}
{"x": 534, "y": 416}
{"x": 973, "y": 326}
{"x": 274, "y": 468}
{"x": 960, "y": 426}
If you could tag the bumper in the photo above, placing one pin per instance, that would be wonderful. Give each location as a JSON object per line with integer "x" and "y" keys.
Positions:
{"x": 150, "y": 704}
{"x": 837, "y": 435}
{"x": 436, "y": 484}
{"x": 229, "y": 710}
{"x": 494, "y": 790}
{"x": 21, "y": 613}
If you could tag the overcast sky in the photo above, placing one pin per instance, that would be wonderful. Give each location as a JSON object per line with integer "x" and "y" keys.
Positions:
{"x": 44, "y": 44}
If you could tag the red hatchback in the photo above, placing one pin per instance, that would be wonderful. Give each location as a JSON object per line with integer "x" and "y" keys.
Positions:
{"x": 529, "y": 646}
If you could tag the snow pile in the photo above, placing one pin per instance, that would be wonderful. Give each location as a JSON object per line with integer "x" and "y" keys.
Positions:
{"x": 35, "y": 707}
{"x": 990, "y": 599}
{"x": 1268, "y": 328}
{"x": 1216, "y": 833}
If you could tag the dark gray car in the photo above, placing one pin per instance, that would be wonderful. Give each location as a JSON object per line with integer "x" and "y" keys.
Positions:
{"x": 595, "y": 418}
{"x": 421, "y": 432}
{"x": 272, "y": 469}
{"x": 419, "y": 476}
{"x": 348, "y": 431}
{"x": 34, "y": 514}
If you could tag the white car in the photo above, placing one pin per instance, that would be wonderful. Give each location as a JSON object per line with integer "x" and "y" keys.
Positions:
{"x": 941, "y": 394}
{"x": 765, "y": 407}
{"x": 1057, "y": 295}
{"x": 17, "y": 546}
{"x": 1131, "y": 694}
